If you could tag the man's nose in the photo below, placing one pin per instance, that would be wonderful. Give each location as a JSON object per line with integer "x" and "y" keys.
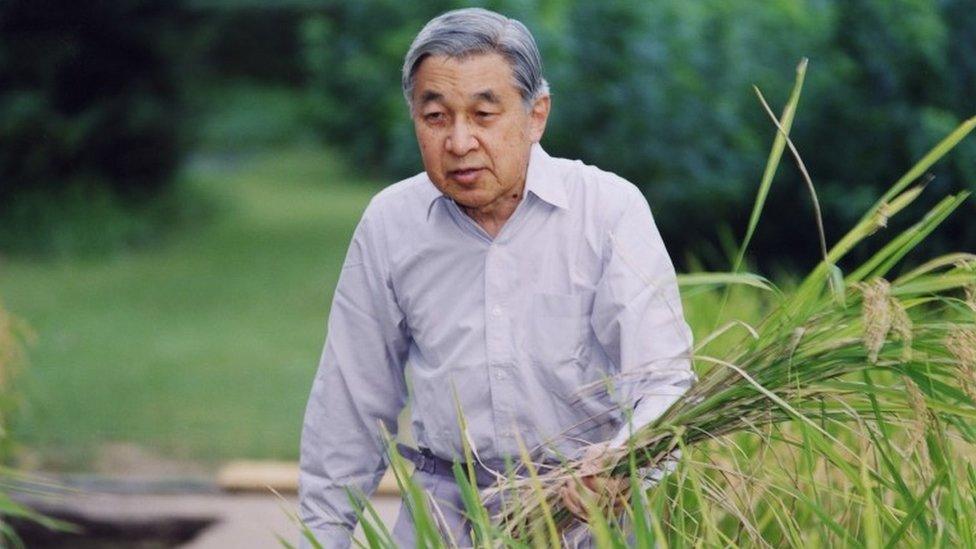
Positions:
{"x": 461, "y": 140}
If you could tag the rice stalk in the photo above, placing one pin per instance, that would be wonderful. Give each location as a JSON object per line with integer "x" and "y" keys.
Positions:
{"x": 908, "y": 338}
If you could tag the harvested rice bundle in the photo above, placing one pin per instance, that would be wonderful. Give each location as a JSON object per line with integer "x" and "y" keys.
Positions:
{"x": 803, "y": 362}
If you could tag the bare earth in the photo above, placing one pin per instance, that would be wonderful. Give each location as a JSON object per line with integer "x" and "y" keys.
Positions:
{"x": 130, "y": 489}
{"x": 240, "y": 520}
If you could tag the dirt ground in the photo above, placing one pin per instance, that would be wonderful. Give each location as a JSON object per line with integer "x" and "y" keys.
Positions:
{"x": 132, "y": 498}
{"x": 238, "y": 520}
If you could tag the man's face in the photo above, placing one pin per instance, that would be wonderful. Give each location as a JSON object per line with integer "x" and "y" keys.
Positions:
{"x": 474, "y": 131}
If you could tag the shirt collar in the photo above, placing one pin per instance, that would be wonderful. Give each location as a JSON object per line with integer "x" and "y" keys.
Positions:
{"x": 541, "y": 179}
{"x": 432, "y": 195}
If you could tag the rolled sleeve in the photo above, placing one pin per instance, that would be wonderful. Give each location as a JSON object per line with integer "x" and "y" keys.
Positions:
{"x": 359, "y": 385}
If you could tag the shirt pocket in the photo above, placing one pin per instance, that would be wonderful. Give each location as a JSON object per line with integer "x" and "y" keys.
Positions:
{"x": 556, "y": 323}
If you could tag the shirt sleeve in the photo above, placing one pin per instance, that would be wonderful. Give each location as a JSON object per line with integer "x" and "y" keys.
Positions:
{"x": 639, "y": 321}
{"x": 358, "y": 386}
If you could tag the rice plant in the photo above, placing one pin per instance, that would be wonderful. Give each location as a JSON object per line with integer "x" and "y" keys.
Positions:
{"x": 15, "y": 334}
{"x": 853, "y": 395}
{"x": 841, "y": 415}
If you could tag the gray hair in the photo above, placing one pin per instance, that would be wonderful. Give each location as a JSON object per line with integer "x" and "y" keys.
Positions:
{"x": 470, "y": 31}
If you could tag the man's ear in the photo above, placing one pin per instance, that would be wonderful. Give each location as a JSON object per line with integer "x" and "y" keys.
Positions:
{"x": 538, "y": 117}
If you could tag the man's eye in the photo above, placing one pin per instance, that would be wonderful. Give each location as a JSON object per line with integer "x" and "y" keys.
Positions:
{"x": 434, "y": 116}
{"x": 485, "y": 114}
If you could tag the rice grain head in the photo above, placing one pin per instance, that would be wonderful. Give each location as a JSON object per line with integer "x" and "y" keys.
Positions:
{"x": 876, "y": 314}
{"x": 916, "y": 424}
{"x": 14, "y": 333}
{"x": 961, "y": 344}
{"x": 901, "y": 324}
{"x": 969, "y": 289}
{"x": 881, "y": 217}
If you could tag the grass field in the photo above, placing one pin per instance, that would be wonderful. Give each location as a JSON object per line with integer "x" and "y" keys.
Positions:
{"x": 204, "y": 347}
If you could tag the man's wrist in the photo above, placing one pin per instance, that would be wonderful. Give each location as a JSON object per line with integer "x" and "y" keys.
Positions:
{"x": 652, "y": 405}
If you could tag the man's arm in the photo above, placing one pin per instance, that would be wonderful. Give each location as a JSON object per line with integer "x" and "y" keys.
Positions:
{"x": 638, "y": 318}
{"x": 359, "y": 384}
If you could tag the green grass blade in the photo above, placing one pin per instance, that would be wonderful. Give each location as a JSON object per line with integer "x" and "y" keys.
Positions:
{"x": 467, "y": 481}
{"x": 916, "y": 510}
{"x": 772, "y": 162}
{"x": 377, "y": 534}
{"x": 692, "y": 280}
{"x": 936, "y": 263}
{"x": 826, "y": 518}
{"x": 643, "y": 534}
{"x": 426, "y": 531}
{"x": 930, "y": 158}
{"x": 474, "y": 509}
{"x": 537, "y": 490}
{"x": 869, "y": 515}
{"x": 9, "y": 536}
{"x": 868, "y": 223}
{"x": 886, "y": 258}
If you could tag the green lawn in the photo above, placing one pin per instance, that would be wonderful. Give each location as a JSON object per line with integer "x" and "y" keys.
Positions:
{"x": 205, "y": 347}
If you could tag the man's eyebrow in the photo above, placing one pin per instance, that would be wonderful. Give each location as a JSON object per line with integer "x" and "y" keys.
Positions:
{"x": 429, "y": 96}
{"x": 487, "y": 95}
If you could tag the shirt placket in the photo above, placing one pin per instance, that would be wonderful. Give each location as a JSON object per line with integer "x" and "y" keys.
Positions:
{"x": 500, "y": 273}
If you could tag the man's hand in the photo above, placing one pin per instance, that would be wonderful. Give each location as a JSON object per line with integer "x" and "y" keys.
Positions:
{"x": 597, "y": 487}
{"x": 605, "y": 488}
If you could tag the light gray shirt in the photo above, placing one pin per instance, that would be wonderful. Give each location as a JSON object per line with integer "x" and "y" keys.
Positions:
{"x": 548, "y": 333}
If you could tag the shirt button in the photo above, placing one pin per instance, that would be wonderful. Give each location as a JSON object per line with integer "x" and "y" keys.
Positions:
{"x": 496, "y": 311}
{"x": 500, "y": 374}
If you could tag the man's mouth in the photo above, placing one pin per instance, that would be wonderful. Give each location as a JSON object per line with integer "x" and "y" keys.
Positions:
{"x": 465, "y": 175}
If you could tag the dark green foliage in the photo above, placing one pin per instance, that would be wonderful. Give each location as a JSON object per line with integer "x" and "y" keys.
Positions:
{"x": 256, "y": 41}
{"x": 86, "y": 94}
{"x": 660, "y": 92}
{"x": 665, "y": 101}
{"x": 354, "y": 52}
{"x": 90, "y": 128}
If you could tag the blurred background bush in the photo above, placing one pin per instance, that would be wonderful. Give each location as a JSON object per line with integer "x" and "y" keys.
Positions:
{"x": 179, "y": 179}
{"x": 101, "y": 101}
{"x": 660, "y": 93}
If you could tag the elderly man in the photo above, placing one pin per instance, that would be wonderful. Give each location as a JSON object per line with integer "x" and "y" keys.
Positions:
{"x": 510, "y": 282}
